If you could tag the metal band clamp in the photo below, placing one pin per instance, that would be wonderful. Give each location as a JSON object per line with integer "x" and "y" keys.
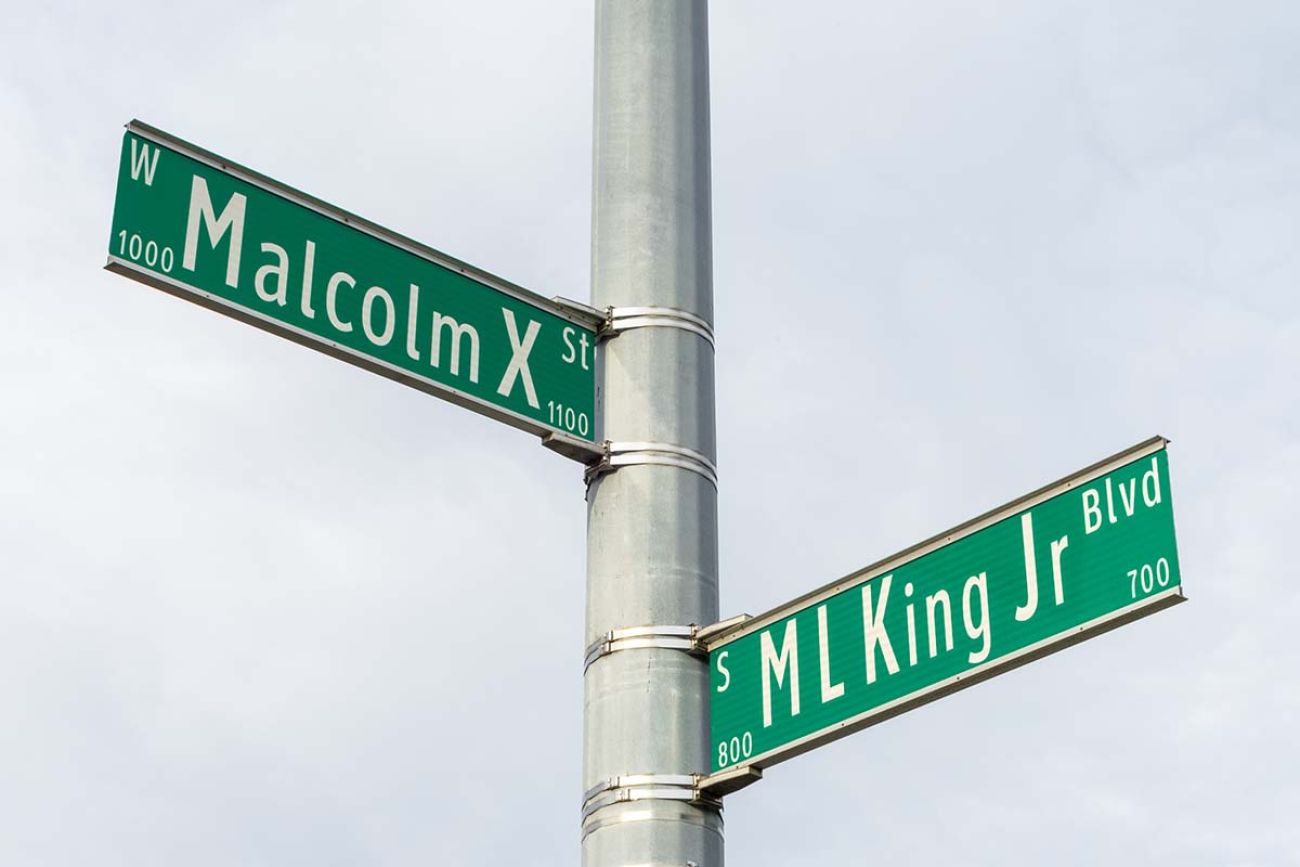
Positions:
{"x": 641, "y": 787}
{"x": 638, "y": 637}
{"x": 657, "y": 454}
{"x": 620, "y": 319}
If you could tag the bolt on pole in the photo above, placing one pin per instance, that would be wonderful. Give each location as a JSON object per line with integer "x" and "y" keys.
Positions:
{"x": 652, "y": 553}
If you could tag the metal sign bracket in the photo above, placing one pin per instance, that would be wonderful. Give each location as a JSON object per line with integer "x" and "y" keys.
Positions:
{"x": 728, "y": 781}
{"x": 706, "y": 635}
{"x": 574, "y": 448}
{"x": 596, "y": 319}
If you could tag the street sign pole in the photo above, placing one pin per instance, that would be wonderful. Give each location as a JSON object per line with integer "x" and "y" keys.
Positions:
{"x": 652, "y": 562}
{"x": 679, "y": 708}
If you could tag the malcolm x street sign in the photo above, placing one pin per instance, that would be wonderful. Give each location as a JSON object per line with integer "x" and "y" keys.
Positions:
{"x": 196, "y": 225}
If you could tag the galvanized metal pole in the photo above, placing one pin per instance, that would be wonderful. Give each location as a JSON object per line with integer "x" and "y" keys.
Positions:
{"x": 652, "y": 559}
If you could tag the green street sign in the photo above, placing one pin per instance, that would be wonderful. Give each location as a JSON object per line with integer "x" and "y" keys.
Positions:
{"x": 197, "y": 226}
{"x": 1087, "y": 554}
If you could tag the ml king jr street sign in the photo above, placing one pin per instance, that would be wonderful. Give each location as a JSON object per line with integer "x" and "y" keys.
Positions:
{"x": 1077, "y": 558}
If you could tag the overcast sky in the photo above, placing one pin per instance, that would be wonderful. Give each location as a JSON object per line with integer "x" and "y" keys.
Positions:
{"x": 262, "y": 608}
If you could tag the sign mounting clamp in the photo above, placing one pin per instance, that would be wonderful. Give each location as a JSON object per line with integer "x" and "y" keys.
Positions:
{"x": 627, "y": 454}
{"x": 620, "y": 319}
